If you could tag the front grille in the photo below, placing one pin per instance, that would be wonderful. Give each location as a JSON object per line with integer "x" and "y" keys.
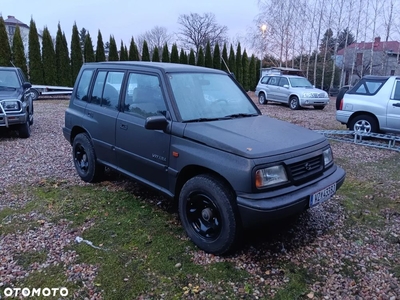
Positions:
{"x": 303, "y": 170}
{"x": 317, "y": 95}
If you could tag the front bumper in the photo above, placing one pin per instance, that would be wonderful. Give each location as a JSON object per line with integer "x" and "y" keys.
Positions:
{"x": 257, "y": 209}
{"x": 12, "y": 117}
{"x": 313, "y": 101}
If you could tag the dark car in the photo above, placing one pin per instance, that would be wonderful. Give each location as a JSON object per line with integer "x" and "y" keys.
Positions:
{"x": 16, "y": 105}
{"x": 194, "y": 134}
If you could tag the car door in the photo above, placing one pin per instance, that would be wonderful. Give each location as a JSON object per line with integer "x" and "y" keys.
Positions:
{"x": 272, "y": 85}
{"x": 101, "y": 113}
{"x": 393, "y": 108}
{"x": 143, "y": 153}
{"x": 282, "y": 93}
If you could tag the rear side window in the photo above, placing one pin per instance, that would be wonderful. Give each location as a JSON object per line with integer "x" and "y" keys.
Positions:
{"x": 107, "y": 88}
{"x": 367, "y": 86}
{"x": 273, "y": 80}
{"x": 83, "y": 85}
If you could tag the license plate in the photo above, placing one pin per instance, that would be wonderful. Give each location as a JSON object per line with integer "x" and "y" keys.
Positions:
{"x": 322, "y": 195}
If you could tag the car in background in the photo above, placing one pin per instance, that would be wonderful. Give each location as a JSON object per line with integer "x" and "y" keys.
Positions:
{"x": 296, "y": 91}
{"x": 372, "y": 105}
{"x": 16, "y": 105}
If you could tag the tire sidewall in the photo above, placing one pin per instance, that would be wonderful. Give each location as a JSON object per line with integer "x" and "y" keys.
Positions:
{"x": 83, "y": 140}
{"x": 262, "y": 99}
{"x": 296, "y": 100}
{"x": 369, "y": 119}
{"x": 222, "y": 198}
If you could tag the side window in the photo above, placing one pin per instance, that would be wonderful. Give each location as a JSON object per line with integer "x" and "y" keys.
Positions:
{"x": 283, "y": 81}
{"x": 143, "y": 96}
{"x": 273, "y": 80}
{"x": 83, "y": 85}
{"x": 264, "y": 79}
{"x": 107, "y": 88}
{"x": 396, "y": 95}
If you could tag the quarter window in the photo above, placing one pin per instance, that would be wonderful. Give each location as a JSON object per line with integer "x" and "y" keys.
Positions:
{"x": 83, "y": 85}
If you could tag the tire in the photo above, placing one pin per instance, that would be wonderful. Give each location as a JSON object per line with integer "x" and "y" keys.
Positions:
{"x": 319, "y": 107}
{"x": 24, "y": 130}
{"x": 85, "y": 159}
{"x": 31, "y": 117}
{"x": 262, "y": 99}
{"x": 34, "y": 94}
{"x": 294, "y": 103}
{"x": 209, "y": 214}
{"x": 364, "y": 124}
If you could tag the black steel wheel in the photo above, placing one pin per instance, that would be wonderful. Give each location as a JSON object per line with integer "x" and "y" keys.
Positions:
{"x": 209, "y": 214}
{"x": 85, "y": 160}
{"x": 24, "y": 130}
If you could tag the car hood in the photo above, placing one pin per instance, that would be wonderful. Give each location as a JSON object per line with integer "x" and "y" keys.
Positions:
{"x": 253, "y": 137}
{"x": 10, "y": 93}
{"x": 308, "y": 90}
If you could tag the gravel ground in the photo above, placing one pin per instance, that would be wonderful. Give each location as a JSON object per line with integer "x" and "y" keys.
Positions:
{"x": 318, "y": 241}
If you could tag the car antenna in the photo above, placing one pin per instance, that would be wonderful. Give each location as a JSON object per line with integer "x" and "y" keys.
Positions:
{"x": 226, "y": 66}
{"x": 12, "y": 64}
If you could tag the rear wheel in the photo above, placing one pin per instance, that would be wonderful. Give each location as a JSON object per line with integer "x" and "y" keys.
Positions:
{"x": 294, "y": 103}
{"x": 85, "y": 159}
{"x": 261, "y": 99}
{"x": 364, "y": 124}
{"x": 209, "y": 214}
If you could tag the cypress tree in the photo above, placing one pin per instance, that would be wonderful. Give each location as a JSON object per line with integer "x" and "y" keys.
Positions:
{"x": 258, "y": 69}
{"x": 200, "y": 57}
{"x": 245, "y": 67}
{"x": 133, "y": 51}
{"x": 232, "y": 61}
{"x": 5, "y": 49}
{"x": 35, "y": 59}
{"x": 113, "y": 52}
{"x": 156, "y": 55}
{"x": 239, "y": 68}
{"x": 100, "y": 55}
{"x": 18, "y": 51}
{"x": 126, "y": 53}
{"x": 208, "y": 61}
{"x": 62, "y": 59}
{"x": 122, "y": 52}
{"x": 182, "y": 57}
{"x": 145, "y": 52}
{"x": 165, "y": 53}
{"x": 76, "y": 53}
{"x": 174, "y": 54}
{"x": 192, "y": 58}
{"x": 49, "y": 59}
{"x": 88, "y": 53}
{"x": 225, "y": 60}
{"x": 252, "y": 73}
{"x": 217, "y": 58}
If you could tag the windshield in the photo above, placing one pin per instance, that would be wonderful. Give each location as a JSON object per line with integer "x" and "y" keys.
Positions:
{"x": 300, "y": 82}
{"x": 206, "y": 96}
{"x": 8, "y": 78}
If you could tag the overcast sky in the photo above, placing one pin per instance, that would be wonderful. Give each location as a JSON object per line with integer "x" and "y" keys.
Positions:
{"x": 127, "y": 18}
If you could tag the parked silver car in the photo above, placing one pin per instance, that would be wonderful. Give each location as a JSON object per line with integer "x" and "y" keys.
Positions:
{"x": 372, "y": 105}
{"x": 296, "y": 91}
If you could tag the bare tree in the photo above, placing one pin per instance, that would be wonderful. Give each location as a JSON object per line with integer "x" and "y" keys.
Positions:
{"x": 196, "y": 30}
{"x": 156, "y": 37}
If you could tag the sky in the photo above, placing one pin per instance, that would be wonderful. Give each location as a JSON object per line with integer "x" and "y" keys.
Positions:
{"x": 127, "y": 18}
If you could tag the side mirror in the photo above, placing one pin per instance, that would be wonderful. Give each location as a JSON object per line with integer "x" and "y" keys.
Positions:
{"x": 286, "y": 86}
{"x": 26, "y": 85}
{"x": 156, "y": 123}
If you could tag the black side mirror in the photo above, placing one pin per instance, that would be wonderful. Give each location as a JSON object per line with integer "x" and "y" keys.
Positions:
{"x": 26, "y": 85}
{"x": 156, "y": 123}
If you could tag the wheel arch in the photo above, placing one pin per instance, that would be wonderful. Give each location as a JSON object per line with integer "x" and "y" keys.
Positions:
{"x": 77, "y": 130}
{"x": 191, "y": 171}
{"x": 362, "y": 113}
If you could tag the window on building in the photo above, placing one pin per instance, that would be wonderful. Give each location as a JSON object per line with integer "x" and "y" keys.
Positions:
{"x": 359, "y": 59}
{"x": 11, "y": 30}
{"x": 391, "y": 72}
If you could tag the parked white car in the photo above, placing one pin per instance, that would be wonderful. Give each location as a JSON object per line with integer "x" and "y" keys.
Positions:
{"x": 296, "y": 91}
{"x": 372, "y": 105}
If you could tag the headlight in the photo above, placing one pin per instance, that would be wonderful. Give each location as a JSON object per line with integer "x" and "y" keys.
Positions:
{"x": 328, "y": 157}
{"x": 326, "y": 95}
{"x": 270, "y": 176}
{"x": 10, "y": 105}
{"x": 307, "y": 95}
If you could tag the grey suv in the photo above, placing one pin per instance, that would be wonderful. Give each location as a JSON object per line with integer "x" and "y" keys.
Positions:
{"x": 16, "y": 105}
{"x": 296, "y": 91}
{"x": 194, "y": 134}
{"x": 372, "y": 105}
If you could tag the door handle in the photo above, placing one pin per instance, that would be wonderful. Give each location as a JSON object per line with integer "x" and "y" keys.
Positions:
{"x": 396, "y": 104}
{"x": 123, "y": 126}
{"x": 89, "y": 114}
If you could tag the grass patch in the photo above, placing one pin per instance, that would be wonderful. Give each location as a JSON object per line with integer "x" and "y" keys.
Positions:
{"x": 296, "y": 288}
{"x": 25, "y": 259}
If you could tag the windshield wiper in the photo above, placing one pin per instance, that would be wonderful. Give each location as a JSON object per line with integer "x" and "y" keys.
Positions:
{"x": 202, "y": 120}
{"x": 3, "y": 87}
{"x": 240, "y": 115}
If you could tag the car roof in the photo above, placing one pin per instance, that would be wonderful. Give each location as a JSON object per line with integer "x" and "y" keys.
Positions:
{"x": 8, "y": 68}
{"x": 376, "y": 77}
{"x": 166, "y": 67}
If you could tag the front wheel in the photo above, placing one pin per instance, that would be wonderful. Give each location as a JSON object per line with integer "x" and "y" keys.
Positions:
{"x": 85, "y": 160}
{"x": 364, "y": 124}
{"x": 34, "y": 94}
{"x": 209, "y": 214}
{"x": 262, "y": 99}
{"x": 24, "y": 130}
{"x": 294, "y": 103}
